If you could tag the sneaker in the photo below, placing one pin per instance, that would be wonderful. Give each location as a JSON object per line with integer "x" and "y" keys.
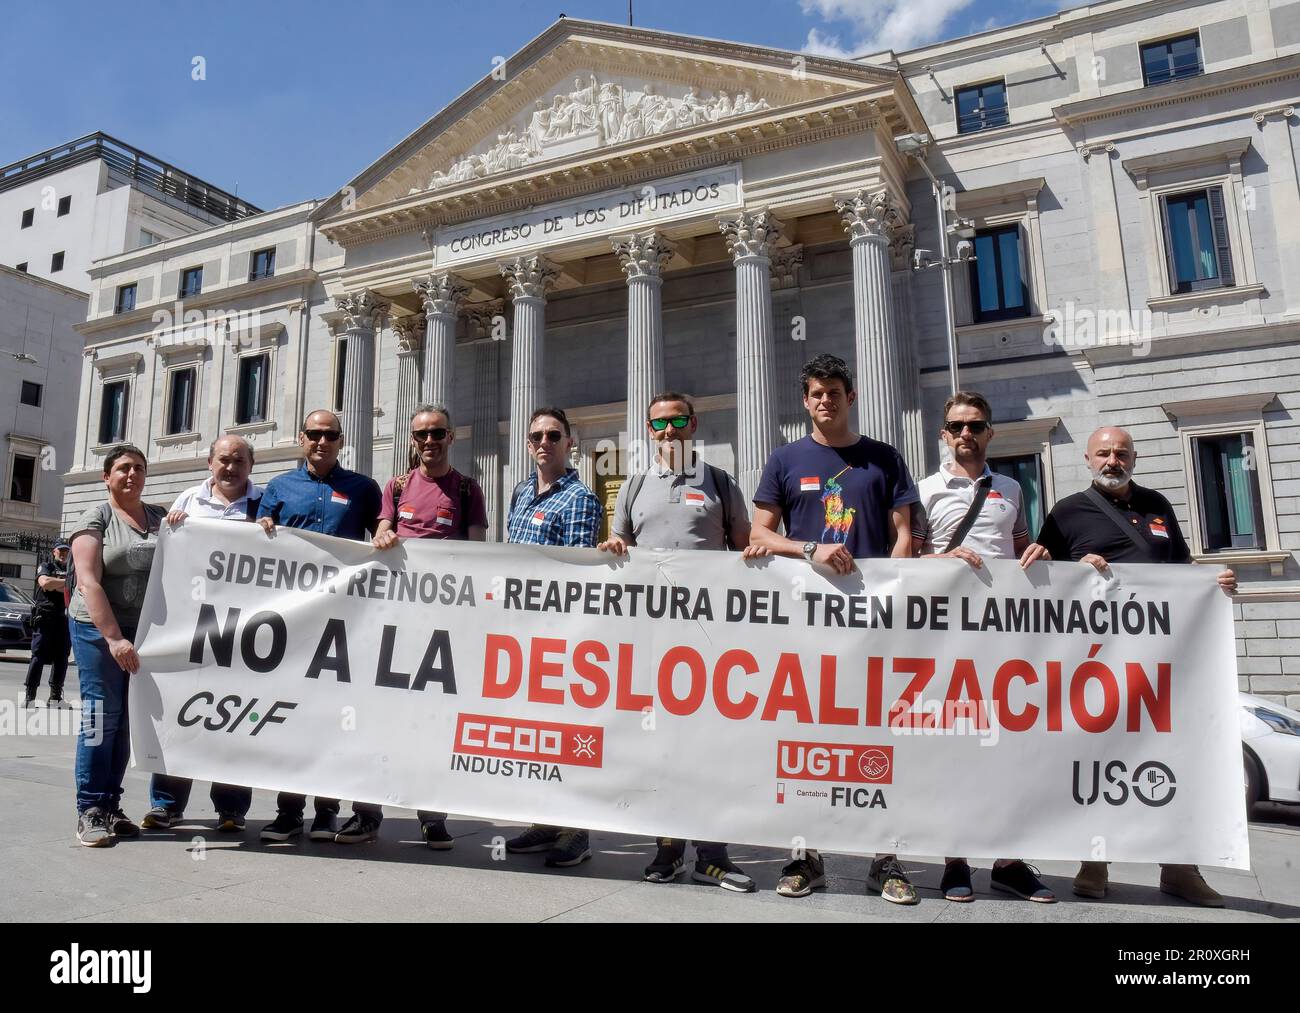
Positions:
{"x": 535, "y": 838}
{"x": 572, "y": 847}
{"x": 1022, "y": 880}
{"x": 357, "y": 830}
{"x": 722, "y": 872}
{"x": 888, "y": 877}
{"x": 160, "y": 818}
{"x": 55, "y": 700}
{"x": 230, "y": 823}
{"x": 286, "y": 825}
{"x": 121, "y": 825}
{"x": 669, "y": 863}
{"x": 435, "y": 835}
{"x": 1186, "y": 881}
{"x": 955, "y": 884}
{"x": 92, "y": 829}
{"x": 324, "y": 827}
{"x": 802, "y": 876}
{"x": 1092, "y": 880}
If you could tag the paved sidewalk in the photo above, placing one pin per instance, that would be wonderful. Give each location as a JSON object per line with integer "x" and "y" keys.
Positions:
{"x": 191, "y": 873}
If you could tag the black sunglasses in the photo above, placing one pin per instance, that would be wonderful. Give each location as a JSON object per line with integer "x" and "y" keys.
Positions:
{"x": 420, "y": 435}
{"x": 677, "y": 422}
{"x": 551, "y": 436}
{"x": 316, "y": 435}
{"x": 955, "y": 428}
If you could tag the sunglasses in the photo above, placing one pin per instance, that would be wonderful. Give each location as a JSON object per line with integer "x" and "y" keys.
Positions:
{"x": 677, "y": 422}
{"x": 550, "y": 436}
{"x": 420, "y": 435}
{"x": 316, "y": 435}
{"x": 955, "y": 428}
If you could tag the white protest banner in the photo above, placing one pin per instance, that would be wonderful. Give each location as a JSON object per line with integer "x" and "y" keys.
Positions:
{"x": 915, "y": 706}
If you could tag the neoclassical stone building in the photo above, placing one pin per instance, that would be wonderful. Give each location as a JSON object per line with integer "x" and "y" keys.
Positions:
{"x": 616, "y": 210}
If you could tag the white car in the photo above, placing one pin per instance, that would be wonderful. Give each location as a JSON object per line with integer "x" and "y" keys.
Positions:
{"x": 1270, "y": 744}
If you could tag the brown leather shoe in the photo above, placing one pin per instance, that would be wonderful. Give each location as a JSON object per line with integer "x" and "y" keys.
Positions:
{"x": 1186, "y": 881}
{"x": 1092, "y": 880}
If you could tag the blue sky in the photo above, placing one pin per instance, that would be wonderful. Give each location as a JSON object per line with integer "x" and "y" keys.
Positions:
{"x": 298, "y": 97}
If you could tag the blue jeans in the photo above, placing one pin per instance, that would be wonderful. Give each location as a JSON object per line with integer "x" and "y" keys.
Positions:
{"x": 104, "y": 741}
{"x": 173, "y": 794}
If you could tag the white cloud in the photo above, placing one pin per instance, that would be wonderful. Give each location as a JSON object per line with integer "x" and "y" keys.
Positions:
{"x": 879, "y": 24}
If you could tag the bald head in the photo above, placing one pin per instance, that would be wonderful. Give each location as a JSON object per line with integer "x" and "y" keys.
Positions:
{"x": 230, "y": 460}
{"x": 1111, "y": 459}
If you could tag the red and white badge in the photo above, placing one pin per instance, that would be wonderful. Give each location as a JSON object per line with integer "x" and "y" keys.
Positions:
{"x": 694, "y": 497}
{"x": 813, "y": 484}
{"x": 339, "y": 498}
{"x": 1158, "y": 528}
{"x": 539, "y": 518}
{"x": 994, "y": 494}
{"x": 443, "y": 520}
{"x": 406, "y": 514}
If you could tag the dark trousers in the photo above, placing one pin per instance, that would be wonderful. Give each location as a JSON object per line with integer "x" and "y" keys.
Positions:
{"x": 173, "y": 794}
{"x": 50, "y": 643}
{"x": 370, "y": 809}
{"x": 287, "y": 802}
{"x": 705, "y": 851}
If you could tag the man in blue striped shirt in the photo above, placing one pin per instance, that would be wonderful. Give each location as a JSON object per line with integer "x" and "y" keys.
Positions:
{"x": 552, "y": 507}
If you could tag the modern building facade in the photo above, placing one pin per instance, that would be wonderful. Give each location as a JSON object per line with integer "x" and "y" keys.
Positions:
{"x": 618, "y": 210}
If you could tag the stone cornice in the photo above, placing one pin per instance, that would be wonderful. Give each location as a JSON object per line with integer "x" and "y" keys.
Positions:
{"x": 1218, "y": 153}
{"x": 612, "y": 167}
{"x": 1016, "y": 191}
{"x": 1075, "y": 114}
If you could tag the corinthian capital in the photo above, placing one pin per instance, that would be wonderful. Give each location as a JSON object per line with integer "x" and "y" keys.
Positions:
{"x": 529, "y": 277}
{"x": 901, "y": 246}
{"x": 486, "y": 317}
{"x": 441, "y": 294}
{"x": 751, "y": 233}
{"x": 360, "y": 309}
{"x": 643, "y": 255}
{"x": 786, "y": 261}
{"x": 410, "y": 332}
{"x": 866, "y": 215}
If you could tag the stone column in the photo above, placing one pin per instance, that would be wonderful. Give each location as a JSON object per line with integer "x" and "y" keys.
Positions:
{"x": 357, "y": 413}
{"x": 1284, "y": 195}
{"x": 750, "y": 238}
{"x": 870, "y": 220}
{"x": 909, "y": 369}
{"x": 643, "y": 257}
{"x": 791, "y": 342}
{"x": 410, "y": 332}
{"x": 442, "y": 295}
{"x": 486, "y": 440}
{"x": 528, "y": 279}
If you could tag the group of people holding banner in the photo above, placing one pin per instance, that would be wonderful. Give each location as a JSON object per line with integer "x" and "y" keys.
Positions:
{"x": 837, "y": 496}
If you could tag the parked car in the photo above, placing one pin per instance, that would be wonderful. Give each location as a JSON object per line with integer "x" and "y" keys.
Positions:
{"x": 1270, "y": 744}
{"x": 15, "y": 619}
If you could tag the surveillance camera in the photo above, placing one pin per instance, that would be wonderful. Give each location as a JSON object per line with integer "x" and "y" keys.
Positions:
{"x": 965, "y": 250}
{"x": 922, "y": 259}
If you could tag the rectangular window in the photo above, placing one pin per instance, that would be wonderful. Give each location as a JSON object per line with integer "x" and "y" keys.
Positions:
{"x": 28, "y": 217}
{"x": 11, "y": 571}
{"x": 263, "y": 265}
{"x": 65, "y": 205}
{"x": 982, "y": 107}
{"x": 22, "y": 485}
{"x": 1232, "y": 516}
{"x": 1197, "y": 250}
{"x": 997, "y": 276}
{"x": 340, "y": 371}
{"x": 31, "y": 394}
{"x": 191, "y": 282}
{"x": 250, "y": 399}
{"x": 147, "y": 238}
{"x": 56, "y": 262}
{"x": 112, "y": 413}
{"x": 1171, "y": 59}
{"x": 1027, "y": 470}
{"x": 180, "y": 400}
{"x": 125, "y": 301}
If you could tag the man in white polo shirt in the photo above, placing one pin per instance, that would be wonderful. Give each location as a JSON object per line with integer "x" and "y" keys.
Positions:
{"x": 228, "y": 494}
{"x": 967, "y": 511}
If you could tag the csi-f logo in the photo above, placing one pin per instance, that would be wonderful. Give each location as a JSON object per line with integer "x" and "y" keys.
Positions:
{"x": 1152, "y": 783}
{"x": 231, "y": 712}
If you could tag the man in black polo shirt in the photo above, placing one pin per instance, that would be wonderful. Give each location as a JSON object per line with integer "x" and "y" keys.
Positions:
{"x": 1115, "y": 520}
{"x": 50, "y": 641}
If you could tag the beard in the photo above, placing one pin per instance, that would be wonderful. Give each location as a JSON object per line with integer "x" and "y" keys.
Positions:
{"x": 1113, "y": 481}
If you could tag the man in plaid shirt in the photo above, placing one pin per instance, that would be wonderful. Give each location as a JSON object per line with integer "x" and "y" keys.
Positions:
{"x": 553, "y": 507}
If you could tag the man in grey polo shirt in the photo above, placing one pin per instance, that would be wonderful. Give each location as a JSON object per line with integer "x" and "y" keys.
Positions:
{"x": 680, "y": 502}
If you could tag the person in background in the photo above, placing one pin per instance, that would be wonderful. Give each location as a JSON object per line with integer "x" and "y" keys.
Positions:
{"x": 50, "y": 643}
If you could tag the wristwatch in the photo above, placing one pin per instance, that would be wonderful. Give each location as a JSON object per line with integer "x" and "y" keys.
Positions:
{"x": 808, "y": 549}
